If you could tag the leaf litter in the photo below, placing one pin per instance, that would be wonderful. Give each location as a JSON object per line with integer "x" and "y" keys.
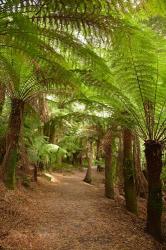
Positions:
{"x": 70, "y": 215}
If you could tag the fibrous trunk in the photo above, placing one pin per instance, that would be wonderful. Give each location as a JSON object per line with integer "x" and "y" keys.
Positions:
{"x": 2, "y": 139}
{"x": 99, "y": 167}
{"x": 12, "y": 138}
{"x": 153, "y": 153}
{"x": 141, "y": 182}
{"x": 119, "y": 164}
{"x": 35, "y": 172}
{"x": 109, "y": 186}
{"x": 128, "y": 168}
{"x": 2, "y": 97}
{"x": 2, "y": 148}
{"x": 88, "y": 177}
{"x": 77, "y": 158}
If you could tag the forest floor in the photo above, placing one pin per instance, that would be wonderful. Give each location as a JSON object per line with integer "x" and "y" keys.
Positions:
{"x": 69, "y": 214}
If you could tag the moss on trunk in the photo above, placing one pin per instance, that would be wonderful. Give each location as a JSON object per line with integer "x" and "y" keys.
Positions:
{"x": 12, "y": 139}
{"x": 153, "y": 153}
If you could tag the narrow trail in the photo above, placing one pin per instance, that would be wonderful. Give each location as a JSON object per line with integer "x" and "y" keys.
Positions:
{"x": 72, "y": 215}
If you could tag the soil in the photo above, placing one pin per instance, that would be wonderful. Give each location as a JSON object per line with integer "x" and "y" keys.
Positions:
{"x": 69, "y": 214}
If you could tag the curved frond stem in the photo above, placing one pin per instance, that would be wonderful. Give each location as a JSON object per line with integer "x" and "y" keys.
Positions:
{"x": 161, "y": 130}
{"x": 140, "y": 90}
{"x": 155, "y": 98}
{"x": 157, "y": 130}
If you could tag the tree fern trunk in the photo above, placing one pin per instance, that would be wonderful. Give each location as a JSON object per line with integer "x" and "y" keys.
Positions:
{"x": 88, "y": 177}
{"x": 141, "y": 182}
{"x": 52, "y": 132}
{"x": 99, "y": 168}
{"x": 109, "y": 185}
{"x": 35, "y": 172}
{"x": 12, "y": 138}
{"x": 128, "y": 168}
{"x": 77, "y": 158}
{"x": 2, "y": 97}
{"x": 153, "y": 153}
{"x": 2, "y": 139}
{"x": 120, "y": 164}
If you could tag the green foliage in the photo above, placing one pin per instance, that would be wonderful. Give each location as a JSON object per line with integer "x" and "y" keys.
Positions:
{"x": 41, "y": 151}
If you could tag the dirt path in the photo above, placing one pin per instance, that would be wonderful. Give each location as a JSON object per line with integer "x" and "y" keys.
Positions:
{"x": 72, "y": 215}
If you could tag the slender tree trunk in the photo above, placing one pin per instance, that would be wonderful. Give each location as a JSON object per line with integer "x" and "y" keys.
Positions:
{"x": 12, "y": 138}
{"x": 74, "y": 158}
{"x": 23, "y": 154}
{"x": 128, "y": 167}
{"x": 42, "y": 107}
{"x": 141, "y": 182}
{"x": 35, "y": 172}
{"x": 2, "y": 148}
{"x": 109, "y": 186}
{"x": 99, "y": 168}
{"x": 2, "y": 97}
{"x": 120, "y": 164}
{"x": 49, "y": 131}
{"x": 153, "y": 153}
{"x": 88, "y": 177}
{"x": 77, "y": 159}
{"x": 2, "y": 139}
{"x": 52, "y": 132}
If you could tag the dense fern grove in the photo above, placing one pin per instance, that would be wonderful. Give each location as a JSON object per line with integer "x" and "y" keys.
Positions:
{"x": 82, "y": 84}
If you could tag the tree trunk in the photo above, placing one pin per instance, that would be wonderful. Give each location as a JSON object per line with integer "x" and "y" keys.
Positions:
{"x": 23, "y": 155}
{"x": 153, "y": 153}
{"x": 77, "y": 159}
{"x": 120, "y": 165}
{"x": 88, "y": 177}
{"x": 80, "y": 159}
{"x": 2, "y": 148}
{"x": 141, "y": 182}
{"x": 128, "y": 169}
{"x": 2, "y": 139}
{"x": 99, "y": 167}
{"x": 2, "y": 97}
{"x": 109, "y": 186}
{"x": 52, "y": 132}
{"x": 35, "y": 172}
{"x": 49, "y": 131}
{"x": 12, "y": 138}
